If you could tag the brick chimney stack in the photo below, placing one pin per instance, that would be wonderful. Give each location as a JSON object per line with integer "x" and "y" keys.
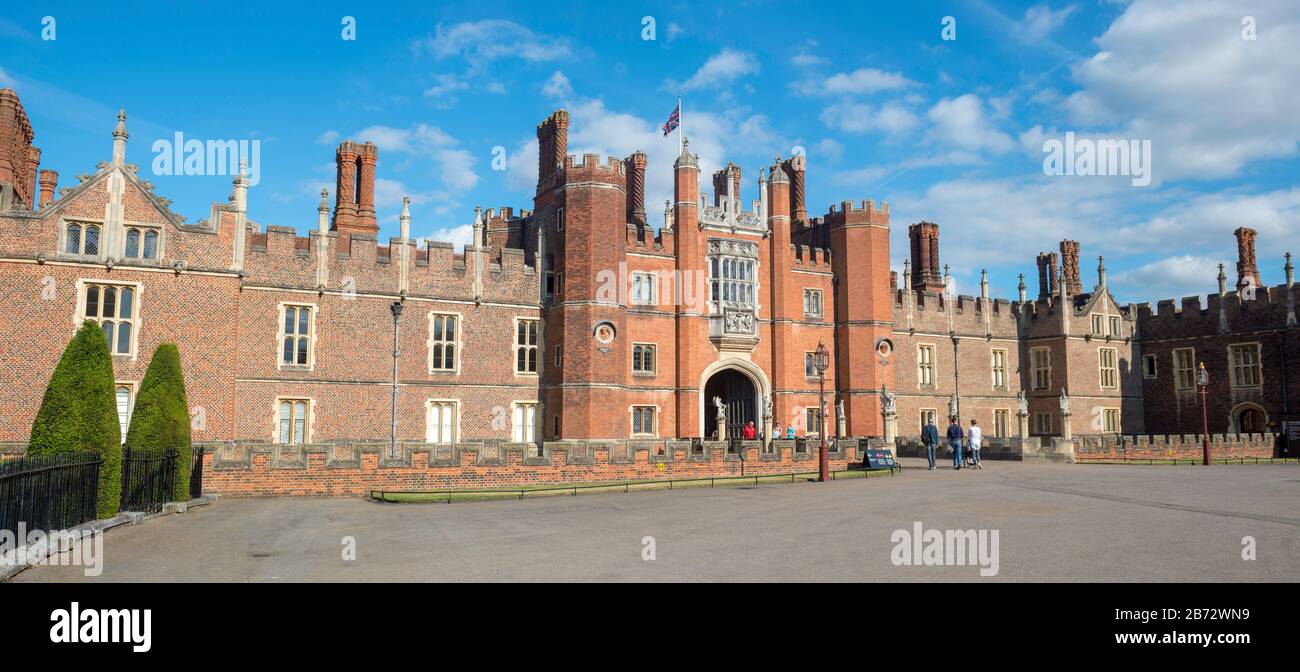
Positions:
{"x": 798, "y": 206}
{"x": 1070, "y": 266}
{"x": 369, "y": 156}
{"x": 1046, "y": 274}
{"x": 636, "y": 165}
{"x": 49, "y": 180}
{"x": 925, "y": 257}
{"x": 33, "y": 174}
{"x": 354, "y": 196}
{"x": 16, "y": 173}
{"x": 552, "y": 144}
{"x": 1247, "y": 272}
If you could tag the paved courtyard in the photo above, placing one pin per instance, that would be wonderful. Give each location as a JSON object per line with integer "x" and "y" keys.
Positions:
{"x": 1055, "y": 523}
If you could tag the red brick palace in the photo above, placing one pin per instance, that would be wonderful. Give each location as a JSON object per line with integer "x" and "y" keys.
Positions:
{"x": 581, "y": 321}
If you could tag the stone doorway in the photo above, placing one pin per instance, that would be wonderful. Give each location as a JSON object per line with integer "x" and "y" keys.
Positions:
{"x": 738, "y": 396}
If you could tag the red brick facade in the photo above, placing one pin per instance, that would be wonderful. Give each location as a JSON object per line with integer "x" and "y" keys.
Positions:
{"x": 577, "y": 315}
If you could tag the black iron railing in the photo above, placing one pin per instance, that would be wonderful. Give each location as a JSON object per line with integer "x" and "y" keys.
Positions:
{"x": 49, "y": 492}
{"x": 196, "y": 474}
{"x": 148, "y": 479}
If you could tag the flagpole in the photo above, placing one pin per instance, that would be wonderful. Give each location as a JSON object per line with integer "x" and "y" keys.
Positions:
{"x": 680, "y": 129}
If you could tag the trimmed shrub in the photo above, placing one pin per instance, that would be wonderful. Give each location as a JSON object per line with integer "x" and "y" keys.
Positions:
{"x": 161, "y": 418}
{"x": 79, "y": 412}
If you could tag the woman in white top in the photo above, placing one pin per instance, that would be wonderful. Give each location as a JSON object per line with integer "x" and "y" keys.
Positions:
{"x": 974, "y": 438}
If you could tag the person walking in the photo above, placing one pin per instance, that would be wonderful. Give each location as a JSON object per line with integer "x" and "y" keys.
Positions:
{"x": 930, "y": 437}
{"x": 954, "y": 442}
{"x": 974, "y": 439}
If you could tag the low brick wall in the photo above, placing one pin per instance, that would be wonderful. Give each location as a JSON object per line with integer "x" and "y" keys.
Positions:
{"x": 1173, "y": 446}
{"x": 355, "y": 468}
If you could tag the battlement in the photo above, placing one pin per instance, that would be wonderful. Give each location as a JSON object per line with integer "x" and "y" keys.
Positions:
{"x": 970, "y": 314}
{"x": 1261, "y": 308}
{"x": 848, "y": 213}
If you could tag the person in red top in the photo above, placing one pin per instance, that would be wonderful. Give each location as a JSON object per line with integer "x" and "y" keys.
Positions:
{"x": 749, "y": 433}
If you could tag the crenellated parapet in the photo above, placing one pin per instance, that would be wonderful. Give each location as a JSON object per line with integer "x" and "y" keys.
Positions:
{"x": 1264, "y": 309}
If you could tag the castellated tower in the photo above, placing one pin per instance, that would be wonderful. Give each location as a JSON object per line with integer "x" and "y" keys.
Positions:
{"x": 354, "y": 205}
{"x": 863, "y": 310}
{"x": 582, "y": 206}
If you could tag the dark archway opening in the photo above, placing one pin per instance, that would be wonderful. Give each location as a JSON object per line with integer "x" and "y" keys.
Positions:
{"x": 739, "y": 397}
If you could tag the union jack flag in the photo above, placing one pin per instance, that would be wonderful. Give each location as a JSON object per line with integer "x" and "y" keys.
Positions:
{"x": 674, "y": 120}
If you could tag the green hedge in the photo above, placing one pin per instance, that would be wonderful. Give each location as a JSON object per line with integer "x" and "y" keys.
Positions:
{"x": 161, "y": 418}
{"x": 79, "y": 412}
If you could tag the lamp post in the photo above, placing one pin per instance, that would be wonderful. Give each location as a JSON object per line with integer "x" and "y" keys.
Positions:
{"x": 392, "y": 448}
{"x": 1203, "y": 382}
{"x": 821, "y": 360}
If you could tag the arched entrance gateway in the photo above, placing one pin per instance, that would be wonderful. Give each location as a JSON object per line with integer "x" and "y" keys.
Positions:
{"x": 736, "y": 390}
{"x": 1249, "y": 419}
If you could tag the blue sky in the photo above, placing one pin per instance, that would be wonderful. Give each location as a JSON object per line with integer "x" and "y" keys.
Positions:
{"x": 950, "y": 131}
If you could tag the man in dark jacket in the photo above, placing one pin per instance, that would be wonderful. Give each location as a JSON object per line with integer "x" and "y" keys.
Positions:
{"x": 954, "y": 440}
{"x": 930, "y": 437}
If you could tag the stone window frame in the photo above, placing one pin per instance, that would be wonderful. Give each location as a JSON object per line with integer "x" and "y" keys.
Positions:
{"x": 744, "y": 253}
{"x": 1034, "y": 369}
{"x": 137, "y": 290}
{"x": 1039, "y": 418}
{"x": 516, "y": 346}
{"x": 61, "y": 242}
{"x": 144, "y": 228}
{"x": 931, "y": 413}
{"x": 1106, "y": 414}
{"x": 996, "y": 369}
{"x": 133, "y": 388}
{"x": 1098, "y": 324}
{"x": 1152, "y": 372}
{"x": 1115, "y": 326}
{"x": 312, "y": 334}
{"x": 458, "y": 343}
{"x": 654, "y": 358}
{"x": 1234, "y": 368}
{"x": 808, "y": 426}
{"x": 428, "y": 419}
{"x": 1190, "y": 370}
{"x": 631, "y": 416}
{"x": 1113, "y": 369}
{"x": 524, "y": 404}
{"x": 1002, "y": 417}
{"x": 646, "y": 279}
{"x": 922, "y": 365}
{"x": 809, "y": 293}
{"x": 307, "y": 423}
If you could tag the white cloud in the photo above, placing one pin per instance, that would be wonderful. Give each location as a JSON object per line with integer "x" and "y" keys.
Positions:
{"x": 481, "y": 42}
{"x": 830, "y": 148}
{"x": 1041, "y": 20}
{"x": 443, "y": 92}
{"x": 674, "y": 31}
{"x": 960, "y": 122}
{"x": 863, "y": 118}
{"x": 328, "y": 137}
{"x": 453, "y": 165}
{"x": 459, "y": 236}
{"x": 1181, "y": 75}
{"x": 5, "y": 79}
{"x": 557, "y": 86}
{"x": 1172, "y": 278}
{"x": 722, "y": 68}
